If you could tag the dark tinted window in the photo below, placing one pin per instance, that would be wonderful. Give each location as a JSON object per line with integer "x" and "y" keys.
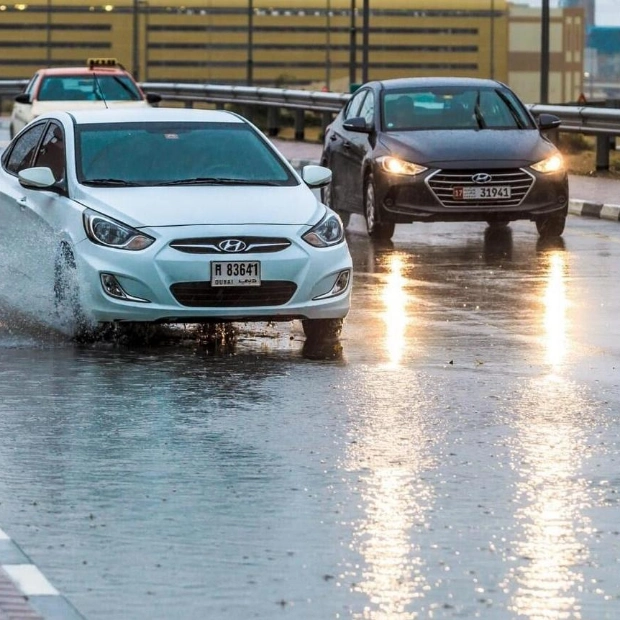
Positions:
{"x": 24, "y": 148}
{"x": 450, "y": 107}
{"x": 92, "y": 87}
{"x": 51, "y": 153}
{"x": 155, "y": 153}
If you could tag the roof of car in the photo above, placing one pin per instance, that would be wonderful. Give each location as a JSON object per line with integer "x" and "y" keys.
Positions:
{"x": 165, "y": 115}
{"x": 437, "y": 81}
{"x": 81, "y": 70}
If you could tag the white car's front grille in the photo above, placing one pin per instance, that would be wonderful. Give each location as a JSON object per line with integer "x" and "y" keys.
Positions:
{"x": 230, "y": 245}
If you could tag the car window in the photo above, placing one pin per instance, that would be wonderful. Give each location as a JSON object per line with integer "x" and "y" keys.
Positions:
{"x": 368, "y": 109}
{"x": 353, "y": 107}
{"x": 23, "y": 150}
{"x": 454, "y": 108}
{"x": 91, "y": 87}
{"x": 51, "y": 152}
{"x": 164, "y": 153}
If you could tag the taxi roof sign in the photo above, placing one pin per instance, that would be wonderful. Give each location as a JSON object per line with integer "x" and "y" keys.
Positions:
{"x": 102, "y": 62}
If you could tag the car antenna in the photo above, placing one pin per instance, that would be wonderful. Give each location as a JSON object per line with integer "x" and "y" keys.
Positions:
{"x": 105, "y": 103}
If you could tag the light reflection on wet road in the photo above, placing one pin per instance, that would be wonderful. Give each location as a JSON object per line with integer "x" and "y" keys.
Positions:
{"x": 456, "y": 457}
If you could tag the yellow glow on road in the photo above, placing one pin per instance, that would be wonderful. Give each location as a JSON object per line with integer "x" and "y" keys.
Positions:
{"x": 556, "y": 303}
{"x": 395, "y": 315}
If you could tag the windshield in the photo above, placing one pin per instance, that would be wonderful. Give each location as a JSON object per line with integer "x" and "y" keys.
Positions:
{"x": 191, "y": 153}
{"x": 454, "y": 108}
{"x": 91, "y": 87}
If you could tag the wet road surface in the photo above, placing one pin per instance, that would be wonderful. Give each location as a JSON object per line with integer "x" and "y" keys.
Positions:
{"x": 455, "y": 456}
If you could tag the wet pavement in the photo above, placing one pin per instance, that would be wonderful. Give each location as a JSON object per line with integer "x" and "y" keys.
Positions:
{"x": 455, "y": 455}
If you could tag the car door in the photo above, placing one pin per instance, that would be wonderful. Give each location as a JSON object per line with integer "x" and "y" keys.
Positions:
{"x": 28, "y": 237}
{"x": 359, "y": 145}
{"x": 339, "y": 153}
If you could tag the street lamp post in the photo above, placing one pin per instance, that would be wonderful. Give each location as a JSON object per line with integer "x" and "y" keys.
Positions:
{"x": 365, "y": 37}
{"x": 328, "y": 43}
{"x": 492, "y": 41}
{"x": 352, "y": 46}
{"x": 250, "y": 67}
{"x": 49, "y": 34}
{"x": 136, "y": 56}
{"x": 544, "y": 53}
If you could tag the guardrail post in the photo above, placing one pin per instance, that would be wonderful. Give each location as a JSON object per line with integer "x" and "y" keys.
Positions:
{"x": 189, "y": 104}
{"x": 602, "y": 152}
{"x": 300, "y": 124}
{"x": 326, "y": 119}
{"x": 273, "y": 121}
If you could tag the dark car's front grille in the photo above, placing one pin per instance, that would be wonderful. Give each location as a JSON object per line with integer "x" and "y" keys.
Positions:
{"x": 447, "y": 186}
{"x": 203, "y": 295}
{"x": 236, "y": 245}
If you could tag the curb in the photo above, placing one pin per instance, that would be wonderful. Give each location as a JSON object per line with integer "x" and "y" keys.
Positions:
{"x": 25, "y": 593}
{"x": 584, "y": 208}
{"x": 593, "y": 209}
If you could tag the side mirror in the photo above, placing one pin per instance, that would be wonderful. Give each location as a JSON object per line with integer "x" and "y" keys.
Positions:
{"x": 23, "y": 98}
{"x": 36, "y": 178}
{"x": 358, "y": 124}
{"x": 548, "y": 121}
{"x": 153, "y": 98}
{"x": 316, "y": 177}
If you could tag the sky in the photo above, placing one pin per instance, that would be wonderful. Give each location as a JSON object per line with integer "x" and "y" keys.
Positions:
{"x": 607, "y": 11}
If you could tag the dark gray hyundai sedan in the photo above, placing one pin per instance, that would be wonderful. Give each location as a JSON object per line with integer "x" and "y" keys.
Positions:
{"x": 441, "y": 150}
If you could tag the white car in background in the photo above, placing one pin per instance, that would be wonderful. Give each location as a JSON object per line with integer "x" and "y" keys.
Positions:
{"x": 172, "y": 216}
{"x": 101, "y": 83}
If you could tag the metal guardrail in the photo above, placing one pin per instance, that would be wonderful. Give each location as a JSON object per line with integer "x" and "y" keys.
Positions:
{"x": 604, "y": 123}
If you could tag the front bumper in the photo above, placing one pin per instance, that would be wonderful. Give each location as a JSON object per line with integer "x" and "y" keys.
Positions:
{"x": 406, "y": 199}
{"x": 175, "y": 285}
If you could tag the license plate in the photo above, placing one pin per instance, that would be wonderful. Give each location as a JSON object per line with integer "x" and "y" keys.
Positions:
{"x": 237, "y": 273}
{"x": 481, "y": 193}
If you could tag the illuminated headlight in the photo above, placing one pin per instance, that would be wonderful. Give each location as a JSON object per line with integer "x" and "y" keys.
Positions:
{"x": 329, "y": 231}
{"x": 393, "y": 165}
{"x": 106, "y": 231}
{"x": 555, "y": 163}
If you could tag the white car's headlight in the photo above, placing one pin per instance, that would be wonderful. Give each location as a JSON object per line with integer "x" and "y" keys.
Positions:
{"x": 393, "y": 165}
{"x": 113, "y": 234}
{"x": 329, "y": 231}
{"x": 555, "y": 163}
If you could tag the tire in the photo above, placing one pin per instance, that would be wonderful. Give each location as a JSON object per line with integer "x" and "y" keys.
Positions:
{"x": 322, "y": 329}
{"x": 551, "y": 227}
{"x": 67, "y": 295}
{"x": 497, "y": 225}
{"x": 376, "y": 227}
{"x": 328, "y": 199}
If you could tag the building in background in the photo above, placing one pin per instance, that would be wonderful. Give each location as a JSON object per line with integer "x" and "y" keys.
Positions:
{"x": 589, "y": 10}
{"x": 297, "y": 43}
{"x": 566, "y": 52}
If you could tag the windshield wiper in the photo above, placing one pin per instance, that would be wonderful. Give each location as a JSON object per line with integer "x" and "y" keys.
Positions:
{"x": 111, "y": 182}
{"x": 478, "y": 113}
{"x": 217, "y": 181}
{"x": 511, "y": 109}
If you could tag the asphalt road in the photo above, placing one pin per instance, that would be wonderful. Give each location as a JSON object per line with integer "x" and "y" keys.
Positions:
{"x": 456, "y": 456}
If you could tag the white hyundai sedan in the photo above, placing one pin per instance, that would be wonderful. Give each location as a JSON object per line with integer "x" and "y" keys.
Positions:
{"x": 172, "y": 216}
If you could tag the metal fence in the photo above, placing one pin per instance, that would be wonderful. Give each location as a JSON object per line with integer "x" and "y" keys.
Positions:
{"x": 603, "y": 123}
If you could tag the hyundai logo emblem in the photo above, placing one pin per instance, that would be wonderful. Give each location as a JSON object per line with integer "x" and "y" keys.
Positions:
{"x": 482, "y": 177}
{"x": 232, "y": 245}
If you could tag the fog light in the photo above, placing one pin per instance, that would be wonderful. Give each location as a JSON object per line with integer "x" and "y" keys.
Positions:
{"x": 340, "y": 285}
{"x": 113, "y": 288}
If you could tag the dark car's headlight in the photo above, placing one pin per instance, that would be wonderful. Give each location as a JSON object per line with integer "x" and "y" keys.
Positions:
{"x": 394, "y": 165}
{"x": 555, "y": 163}
{"x": 113, "y": 234}
{"x": 329, "y": 231}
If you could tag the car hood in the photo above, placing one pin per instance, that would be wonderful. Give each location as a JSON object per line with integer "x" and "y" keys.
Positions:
{"x": 487, "y": 147}
{"x": 204, "y": 205}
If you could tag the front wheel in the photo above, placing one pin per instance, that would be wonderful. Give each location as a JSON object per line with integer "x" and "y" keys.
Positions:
{"x": 377, "y": 229}
{"x": 67, "y": 295}
{"x": 322, "y": 329}
{"x": 327, "y": 196}
{"x": 551, "y": 226}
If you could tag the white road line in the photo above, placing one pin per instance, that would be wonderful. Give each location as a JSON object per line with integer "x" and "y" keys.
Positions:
{"x": 29, "y": 579}
{"x": 3, "y": 536}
